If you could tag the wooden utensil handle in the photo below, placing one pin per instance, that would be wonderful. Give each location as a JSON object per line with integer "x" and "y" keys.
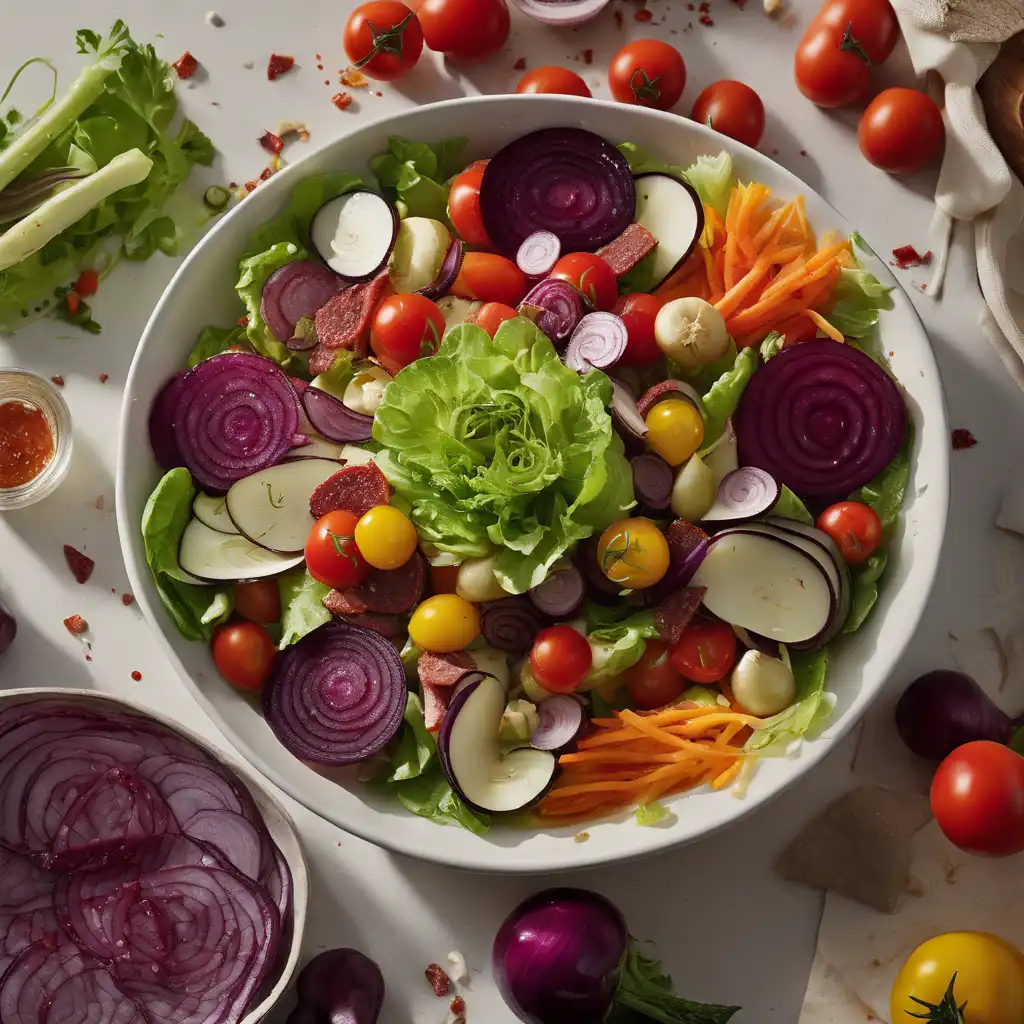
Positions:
{"x": 1002, "y": 95}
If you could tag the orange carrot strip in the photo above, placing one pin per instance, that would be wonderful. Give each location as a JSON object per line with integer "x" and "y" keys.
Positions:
{"x": 727, "y": 776}
{"x": 823, "y": 325}
{"x": 768, "y": 228}
{"x": 663, "y": 737}
{"x": 729, "y": 302}
{"x": 582, "y": 757}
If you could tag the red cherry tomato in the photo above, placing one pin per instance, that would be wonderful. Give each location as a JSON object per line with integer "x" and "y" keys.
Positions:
{"x": 244, "y": 654}
{"x": 854, "y": 527}
{"x": 553, "y": 79}
{"x": 383, "y": 39}
{"x": 490, "y": 278}
{"x": 648, "y": 73}
{"x": 653, "y": 680}
{"x": 830, "y": 69}
{"x": 591, "y": 275}
{"x": 901, "y": 131}
{"x": 406, "y": 327}
{"x": 872, "y": 23}
{"x": 331, "y": 553}
{"x": 464, "y": 206}
{"x": 706, "y": 652}
{"x": 465, "y": 29}
{"x": 560, "y": 659}
{"x": 638, "y": 313}
{"x": 443, "y": 579}
{"x": 733, "y": 109}
{"x": 978, "y": 798}
{"x": 493, "y": 315}
{"x": 259, "y": 601}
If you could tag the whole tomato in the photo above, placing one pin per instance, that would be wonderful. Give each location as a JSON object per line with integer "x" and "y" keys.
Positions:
{"x": 648, "y": 73}
{"x": 733, "y": 109}
{"x": 871, "y": 23}
{"x": 901, "y": 131}
{"x": 383, "y": 39}
{"x": 831, "y": 69}
{"x": 465, "y": 29}
{"x": 552, "y": 78}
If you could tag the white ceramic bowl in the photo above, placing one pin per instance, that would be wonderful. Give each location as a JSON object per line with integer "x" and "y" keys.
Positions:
{"x": 279, "y": 824}
{"x": 202, "y": 293}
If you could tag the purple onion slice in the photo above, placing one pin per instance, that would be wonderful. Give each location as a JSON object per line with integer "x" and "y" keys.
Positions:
{"x": 335, "y": 420}
{"x": 510, "y": 624}
{"x": 161, "y": 423}
{"x": 599, "y": 341}
{"x": 450, "y": 267}
{"x": 561, "y": 718}
{"x": 652, "y": 480}
{"x": 561, "y": 594}
{"x": 744, "y": 493}
{"x": 539, "y": 253}
{"x": 556, "y": 307}
{"x": 296, "y": 290}
{"x": 666, "y": 390}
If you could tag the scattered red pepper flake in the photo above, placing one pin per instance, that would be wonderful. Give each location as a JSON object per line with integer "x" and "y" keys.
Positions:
{"x": 185, "y": 65}
{"x": 520, "y": 65}
{"x": 81, "y": 566}
{"x": 75, "y": 625}
{"x": 643, "y": 15}
{"x": 319, "y": 56}
{"x": 266, "y": 173}
{"x": 458, "y": 1005}
{"x": 271, "y": 143}
{"x": 707, "y": 20}
{"x": 251, "y": 186}
{"x": 907, "y": 256}
{"x": 319, "y": 67}
{"x": 104, "y": 377}
{"x": 439, "y": 980}
{"x": 327, "y": 81}
{"x": 88, "y": 657}
{"x": 137, "y": 676}
{"x": 74, "y": 302}
{"x": 127, "y": 599}
{"x": 278, "y": 65}
{"x": 963, "y": 438}
{"x": 588, "y": 56}
{"x": 803, "y": 152}
{"x": 378, "y": 93}
{"x": 353, "y": 78}
{"x": 342, "y": 100}
{"x": 243, "y": 321}
{"x": 57, "y": 380}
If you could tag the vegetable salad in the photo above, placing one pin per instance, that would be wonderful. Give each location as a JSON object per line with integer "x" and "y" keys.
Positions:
{"x": 542, "y": 484}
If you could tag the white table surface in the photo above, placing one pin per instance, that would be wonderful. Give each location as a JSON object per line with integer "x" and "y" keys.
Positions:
{"x": 725, "y": 927}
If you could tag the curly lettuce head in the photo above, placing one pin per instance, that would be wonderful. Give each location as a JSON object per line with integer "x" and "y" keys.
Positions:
{"x": 495, "y": 444}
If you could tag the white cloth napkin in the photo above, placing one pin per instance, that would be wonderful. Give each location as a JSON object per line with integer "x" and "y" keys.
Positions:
{"x": 959, "y": 39}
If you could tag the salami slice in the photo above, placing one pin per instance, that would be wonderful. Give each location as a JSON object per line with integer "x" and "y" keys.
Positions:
{"x": 388, "y": 626}
{"x": 435, "y": 703}
{"x": 344, "y": 602}
{"x": 622, "y": 254}
{"x": 356, "y": 489}
{"x": 344, "y": 321}
{"x": 321, "y": 359}
{"x": 683, "y": 539}
{"x": 444, "y": 669}
{"x": 674, "y": 614}
{"x": 393, "y": 591}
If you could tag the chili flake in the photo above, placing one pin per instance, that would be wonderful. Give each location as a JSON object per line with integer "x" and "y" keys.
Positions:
{"x": 137, "y": 676}
{"x": 458, "y": 1005}
{"x": 520, "y": 65}
{"x": 963, "y": 438}
{"x": 342, "y": 100}
{"x": 81, "y": 566}
{"x": 250, "y": 186}
{"x": 588, "y": 56}
{"x": 907, "y": 256}
{"x": 75, "y": 625}
{"x": 643, "y": 15}
{"x": 57, "y": 380}
{"x": 104, "y": 377}
{"x": 243, "y": 321}
{"x": 26, "y": 443}
{"x": 185, "y": 65}
{"x": 73, "y": 301}
{"x": 127, "y": 599}
{"x": 439, "y": 980}
{"x": 271, "y": 143}
{"x": 266, "y": 173}
{"x": 353, "y": 78}
{"x": 278, "y": 65}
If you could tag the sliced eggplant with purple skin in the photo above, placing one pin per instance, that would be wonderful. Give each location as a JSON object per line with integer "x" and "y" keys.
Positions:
{"x": 483, "y": 777}
{"x": 745, "y": 493}
{"x": 355, "y": 233}
{"x": 768, "y": 584}
{"x": 672, "y": 211}
{"x": 212, "y": 557}
{"x": 665, "y": 391}
{"x": 212, "y": 511}
{"x": 450, "y": 267}
{"x": 631, "y": 426}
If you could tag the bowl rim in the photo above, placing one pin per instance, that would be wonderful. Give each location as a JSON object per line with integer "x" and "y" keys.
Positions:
{"x": 296, "y": 861}
{"x": 585, "y": 854}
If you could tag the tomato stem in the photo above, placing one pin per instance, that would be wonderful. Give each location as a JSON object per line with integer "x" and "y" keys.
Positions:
{"x": 648, "y": 87}
{"x": 944, "y": 1012}
{"x": 851, "y": 44}
{"x": 386, "y": 40}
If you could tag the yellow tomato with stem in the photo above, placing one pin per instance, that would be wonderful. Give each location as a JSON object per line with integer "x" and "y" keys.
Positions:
{"x": 989, "y": 979}
{"x": 386, "y": 537}
{"x": 633, "y": 553}
{"x": 444, "y": 623}
{"x": 675, "y": 430}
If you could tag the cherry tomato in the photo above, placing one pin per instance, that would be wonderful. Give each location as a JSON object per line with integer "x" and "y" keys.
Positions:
{"x": 259, "y": 601}
{"x": 675, "y": 430}
{"x": 648, "y": 73}
{"x": 383, "y": 39}
{"x": 552, "y": 78}
{"x": 244, "y": 654}
{"x": 464, "y": 206}
{"x": 978, "y": 798}
{"x": 386, "y": 537}
{"x": 491, "y": 278}
{"x": 872, "y": 23}
{"x": 332, "y": 556}
{"x": 592, "y": 275}
{"x": 560, "y": 659}
{"x": 830, "y": 70}
{"x": 654, "y": 680}
{"x": 493, "y": 315}
{"x": 444, "y": 623}
{"x": 733, "y": 109}
{"x": 443, "y": 578}
{"x": 465, "y": 29}
{"x": 405, "y": 327}
{"x": 797, "y": 329}
{"x": 633, "y": 553}
{"x": 854, "y": 527}
{"x": 901, "y": 131}
{"x": 638, "y": 312}
{"x": 706, "y": 652}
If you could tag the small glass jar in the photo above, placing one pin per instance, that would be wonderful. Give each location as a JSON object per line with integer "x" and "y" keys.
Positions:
{"x": 18, "y": 385}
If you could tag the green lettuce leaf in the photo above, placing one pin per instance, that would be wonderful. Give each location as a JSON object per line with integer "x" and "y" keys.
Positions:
{"x": 617, "y": 640}
{"x": 302, "y": 605}
{"x": 651, "y": 814}
{"x": 254, "y": 271}
{"x": 789, "y": 506}
{"x": 429, "y": 796}
{"x": 212, "y": 341}
{"x": 723, "y": 398}
{"x": 809, "y": 710}
{"x": 864, "y": 579}
{"x": 771, "y": 346}
{"x": 497, "y": 445}
{"x": 858, "y": 299}
{"x": 415, "y": 173}
{"x": 642, "y": 162}
{"x": 713, "y": 178}
{"x": 415, "y": 750}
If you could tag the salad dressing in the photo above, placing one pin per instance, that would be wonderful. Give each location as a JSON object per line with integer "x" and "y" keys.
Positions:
{"x": 26, "y": 443}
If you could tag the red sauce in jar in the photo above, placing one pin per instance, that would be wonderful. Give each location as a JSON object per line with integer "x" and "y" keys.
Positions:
{"x": 26, "y": 443}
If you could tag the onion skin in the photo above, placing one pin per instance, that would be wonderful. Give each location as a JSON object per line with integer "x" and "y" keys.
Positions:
{"x": 943, "y": 710}
{"x": 557, "y": 959}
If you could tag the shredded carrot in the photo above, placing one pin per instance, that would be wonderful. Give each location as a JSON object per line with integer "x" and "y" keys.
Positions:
{"x": 739, "y": 291}
{"x": 823, "y": 325}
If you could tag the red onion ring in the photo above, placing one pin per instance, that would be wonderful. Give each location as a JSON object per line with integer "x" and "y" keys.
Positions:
{"x": 556, "y": 307}
{"x": 161, "y": 423}
{"x": 335, "y": 420}
{"x": 293, "y": 291}
{"x": 450, "y": 267}
{"x": 539, "y": 253}
{"x": 561, "y": 594}
{"x": 599, "y": 341}
{"x": 631, "y": 425}
{"x": 748, "y": 492}
{"x": 510, "y": 624}
{"x": 561, "y": 718}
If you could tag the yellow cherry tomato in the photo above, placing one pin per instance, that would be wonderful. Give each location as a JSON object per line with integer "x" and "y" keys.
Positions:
{"x": 989, "y": 979}
{"x": 444, "y": 623}
{"x": 386, "y": 537}
{"x": 633, "y": 552}
{"x": 674, "y": 430}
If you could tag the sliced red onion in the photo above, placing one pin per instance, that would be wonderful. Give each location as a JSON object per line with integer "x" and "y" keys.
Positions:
{"x": 296, "y": 290}
{"x": 744, "y": 494}
{"x": 510, "y": 624}
{"x": 599, "y": 341}
{"x": 652, "y": 480}
{"x": 26, "y": 905}
{"x": 556, "y": 307}
{"x": 625, "y": 416}
{"x": 539, "y": 253}
{"x": 450, "y": 267}
{"x": 305, "y": 344}
{"x": 561, "y": 594}
{"x": 565, "y": 180}
{"x": 161, "y": 423}
{"x": 335, "y": 420}
{"x": 561, "y": 718}
{"x": 666, "y": 390}
{"x": 8, "y": 629}
{"x": 563, "y": 13}
{"x": 337, "y": 696}
{"x": 236, "y": 413}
